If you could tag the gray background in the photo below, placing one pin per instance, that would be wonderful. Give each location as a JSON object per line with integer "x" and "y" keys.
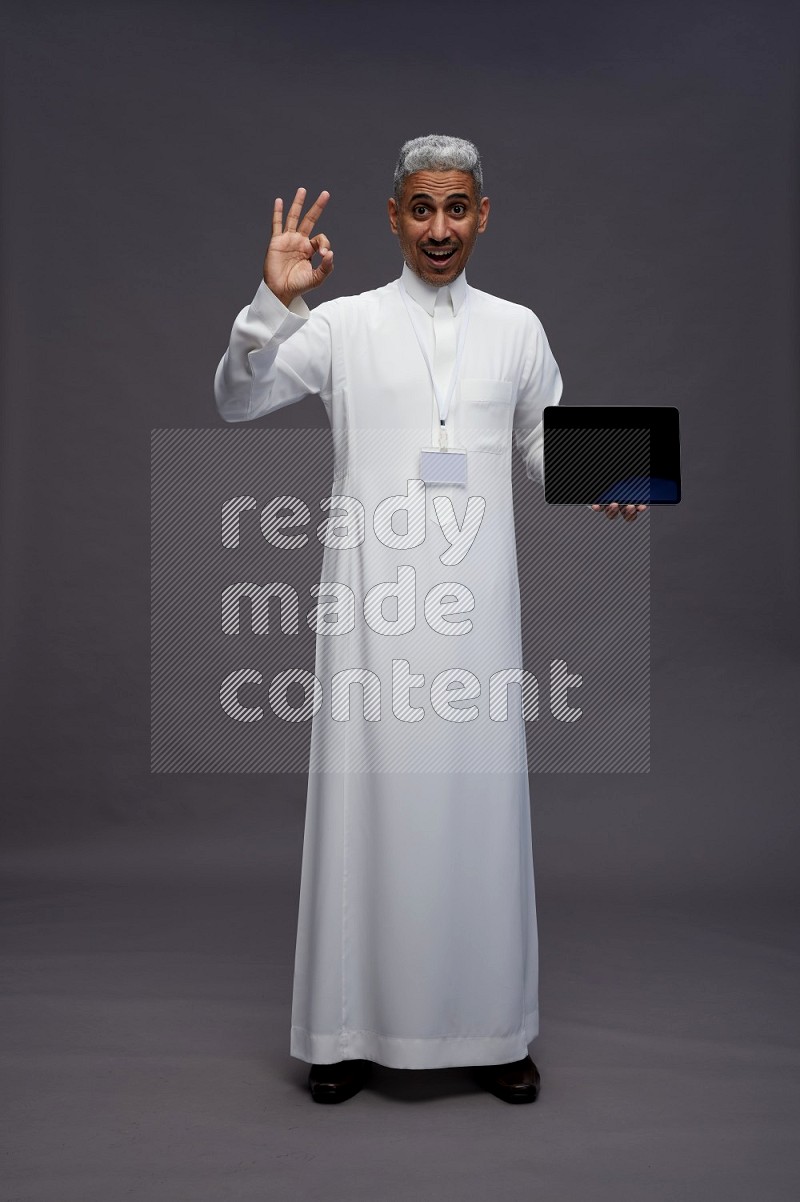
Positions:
{"x": 641, "y": 161}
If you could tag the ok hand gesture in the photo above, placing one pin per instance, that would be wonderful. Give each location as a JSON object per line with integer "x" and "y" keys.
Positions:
{"x": 287, "y": 265}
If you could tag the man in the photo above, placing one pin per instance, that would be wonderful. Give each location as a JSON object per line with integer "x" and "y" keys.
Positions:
{"x": 417, "y": 942}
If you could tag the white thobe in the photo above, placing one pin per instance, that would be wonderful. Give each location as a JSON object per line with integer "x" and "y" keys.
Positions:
{"x": 417, "y": 939}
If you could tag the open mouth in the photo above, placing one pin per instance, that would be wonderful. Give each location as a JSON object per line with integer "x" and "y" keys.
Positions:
{"x": 439, "y": 257}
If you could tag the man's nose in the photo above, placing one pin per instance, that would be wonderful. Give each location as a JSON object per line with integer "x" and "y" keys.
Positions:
{"x": 439, "y": 227}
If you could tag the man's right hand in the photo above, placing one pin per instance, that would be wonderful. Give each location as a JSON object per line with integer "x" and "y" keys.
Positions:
{"x": 287, "y": 265}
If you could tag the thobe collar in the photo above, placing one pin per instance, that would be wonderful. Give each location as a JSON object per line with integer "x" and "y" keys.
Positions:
{"x": 425, "y": 294}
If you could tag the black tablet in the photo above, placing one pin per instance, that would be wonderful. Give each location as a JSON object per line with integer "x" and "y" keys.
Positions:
{"x": 595, "y": 454}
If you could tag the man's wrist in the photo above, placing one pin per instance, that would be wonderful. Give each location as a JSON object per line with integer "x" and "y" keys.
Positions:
{"x": 285, "y": 298}
{"x": 276, "y": 317}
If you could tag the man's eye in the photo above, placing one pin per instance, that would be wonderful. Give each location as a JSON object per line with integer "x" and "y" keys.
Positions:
{"x": 461, "y": 210}
{"x": 419, "y": 210}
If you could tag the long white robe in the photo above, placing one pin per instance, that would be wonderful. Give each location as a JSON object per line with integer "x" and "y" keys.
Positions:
{"x": 417, "y": 940}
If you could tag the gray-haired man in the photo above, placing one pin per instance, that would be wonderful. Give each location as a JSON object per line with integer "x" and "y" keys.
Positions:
{"x": 416, "y": 942}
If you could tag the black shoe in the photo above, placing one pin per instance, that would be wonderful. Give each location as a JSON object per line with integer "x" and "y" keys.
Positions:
{"x": 337, "y": 1082}
{"x": 517, "y": 1081}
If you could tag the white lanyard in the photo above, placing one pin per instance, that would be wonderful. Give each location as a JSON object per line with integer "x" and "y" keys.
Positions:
{"x": 443, "y": 402}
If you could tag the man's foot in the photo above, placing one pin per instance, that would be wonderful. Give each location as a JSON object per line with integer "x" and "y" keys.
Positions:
{"x": 337, "y": 1082}
{"x": 517, "y": 1081}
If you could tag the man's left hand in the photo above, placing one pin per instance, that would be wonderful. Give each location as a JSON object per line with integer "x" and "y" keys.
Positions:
{"x": 628, "y": 512}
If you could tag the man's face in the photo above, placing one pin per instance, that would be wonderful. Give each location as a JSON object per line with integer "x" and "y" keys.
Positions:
{"x": 438, "y": 212}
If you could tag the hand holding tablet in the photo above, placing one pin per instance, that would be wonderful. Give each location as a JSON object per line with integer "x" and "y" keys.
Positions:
{"x": 618, "y": 458}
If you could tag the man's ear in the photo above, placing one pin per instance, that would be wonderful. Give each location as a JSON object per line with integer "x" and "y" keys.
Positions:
{"x": 483, "y": 214}
{"x": 392, "y": 210}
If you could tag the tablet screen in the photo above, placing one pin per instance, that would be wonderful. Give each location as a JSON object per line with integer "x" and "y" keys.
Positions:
{"x": 596, "y": 454}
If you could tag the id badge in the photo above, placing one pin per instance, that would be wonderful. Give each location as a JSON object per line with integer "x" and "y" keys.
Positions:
{"x": 443, "y": 467}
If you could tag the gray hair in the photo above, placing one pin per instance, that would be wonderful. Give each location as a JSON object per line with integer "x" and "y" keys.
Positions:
{"x": 437, "y": 152}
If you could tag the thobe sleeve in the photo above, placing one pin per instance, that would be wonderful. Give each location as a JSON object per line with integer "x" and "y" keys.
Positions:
{"x": 540, "y": 385}
{"x": 276, "y": 356}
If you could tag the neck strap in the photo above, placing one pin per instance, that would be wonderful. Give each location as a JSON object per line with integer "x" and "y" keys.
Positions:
{"x": 442, "y": 400}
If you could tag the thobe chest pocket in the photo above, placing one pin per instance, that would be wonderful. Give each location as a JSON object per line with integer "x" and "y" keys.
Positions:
{"x": 485, "y": 414}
